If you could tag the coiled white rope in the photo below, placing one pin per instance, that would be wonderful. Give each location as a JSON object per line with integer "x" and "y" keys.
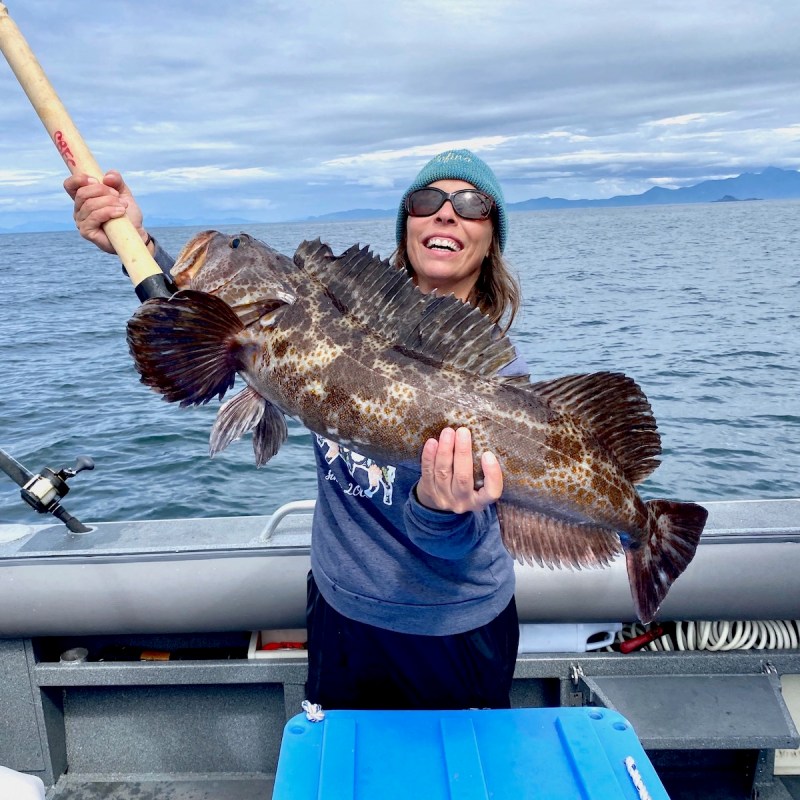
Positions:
{"x": 721, "y": 635}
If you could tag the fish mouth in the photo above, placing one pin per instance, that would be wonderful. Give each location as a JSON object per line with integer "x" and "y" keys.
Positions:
{"x": 192, "y": 258}
{"x": 443, "y": 244}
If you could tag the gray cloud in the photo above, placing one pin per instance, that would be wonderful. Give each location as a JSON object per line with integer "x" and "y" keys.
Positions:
{"x": 287, "y": 109}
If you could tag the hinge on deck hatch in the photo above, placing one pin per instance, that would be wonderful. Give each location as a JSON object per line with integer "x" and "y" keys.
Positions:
{"x": 576, "y": 695}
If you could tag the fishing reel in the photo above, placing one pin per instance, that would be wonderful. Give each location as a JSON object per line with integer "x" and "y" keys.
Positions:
{"x": 44, "y": 492}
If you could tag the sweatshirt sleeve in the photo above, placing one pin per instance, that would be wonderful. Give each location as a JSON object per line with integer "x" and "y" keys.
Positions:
{"x": 162, "y": 258}
{"x": 444, "y": 534}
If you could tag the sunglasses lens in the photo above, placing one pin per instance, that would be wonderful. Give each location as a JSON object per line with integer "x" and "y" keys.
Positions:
{"x": 468, "y": 203}
{"x": 425, "y": 202}
{"x": 472, "y": 204}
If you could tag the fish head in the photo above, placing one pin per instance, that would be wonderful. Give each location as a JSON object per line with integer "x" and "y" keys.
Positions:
{"x": 250, "y": 276}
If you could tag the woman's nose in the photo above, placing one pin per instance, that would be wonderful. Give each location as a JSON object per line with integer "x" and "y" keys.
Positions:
{"x": 446, "y": 213}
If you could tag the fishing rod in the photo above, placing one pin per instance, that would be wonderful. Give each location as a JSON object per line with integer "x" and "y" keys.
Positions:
{"x": 44, "y": 492}
{"x": 146, "y": 275}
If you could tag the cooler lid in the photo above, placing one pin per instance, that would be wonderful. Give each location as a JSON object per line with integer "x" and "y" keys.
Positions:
{"x": 526, "y": 754}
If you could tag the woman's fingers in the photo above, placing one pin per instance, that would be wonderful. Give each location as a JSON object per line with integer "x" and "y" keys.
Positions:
{"x": 492, "y": 488}
{"x": 96, "y": 203}
{"x": 463, "y": 470}
{"x": 448, "y": 482}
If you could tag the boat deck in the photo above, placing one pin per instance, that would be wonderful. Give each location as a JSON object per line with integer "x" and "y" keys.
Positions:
{"x": 177, "y": 788}
{"x": 689, "y": 786}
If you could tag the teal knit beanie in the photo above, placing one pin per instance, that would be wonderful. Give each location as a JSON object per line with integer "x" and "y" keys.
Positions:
{"x": 461, "y": 165}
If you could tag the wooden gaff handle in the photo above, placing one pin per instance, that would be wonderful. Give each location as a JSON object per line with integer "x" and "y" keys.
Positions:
{"x": 123, "y": 236}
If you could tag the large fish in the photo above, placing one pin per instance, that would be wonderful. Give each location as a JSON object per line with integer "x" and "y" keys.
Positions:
{"x": 354, "y": 350}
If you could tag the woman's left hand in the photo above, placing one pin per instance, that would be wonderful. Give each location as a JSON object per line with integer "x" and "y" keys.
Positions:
{"x": 448, "y": 478}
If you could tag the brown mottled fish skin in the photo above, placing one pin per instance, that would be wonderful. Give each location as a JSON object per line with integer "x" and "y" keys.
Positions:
{"x": 352, "y": 349}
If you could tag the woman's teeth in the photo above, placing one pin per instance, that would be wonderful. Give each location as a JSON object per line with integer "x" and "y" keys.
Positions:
{"x": 439, "y": 243}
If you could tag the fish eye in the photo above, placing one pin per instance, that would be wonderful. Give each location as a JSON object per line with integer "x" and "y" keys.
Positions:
{"x": 235, "y": 242}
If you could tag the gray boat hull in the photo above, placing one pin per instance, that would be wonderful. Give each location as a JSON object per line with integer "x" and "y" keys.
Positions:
{"x": 248, "y": 573}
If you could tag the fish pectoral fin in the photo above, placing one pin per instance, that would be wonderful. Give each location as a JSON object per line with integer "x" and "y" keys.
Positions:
{"x": 535, "y": 538}
{"x": 671, "y": 540}
{"x": 615, "y": 411}
{"x": 184, "y": 347}
{"x": 249, "y": 411}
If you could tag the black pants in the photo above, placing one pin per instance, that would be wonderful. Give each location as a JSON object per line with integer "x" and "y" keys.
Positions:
{"x": 353, "y": 665}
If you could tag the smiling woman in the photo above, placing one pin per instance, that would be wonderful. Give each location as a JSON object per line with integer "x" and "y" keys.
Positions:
{"x": 451, "y": 231}
{"x": 399, "y": 601}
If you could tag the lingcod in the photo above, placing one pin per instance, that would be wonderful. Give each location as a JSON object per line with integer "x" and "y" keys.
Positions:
{"x": 352, "y": 349}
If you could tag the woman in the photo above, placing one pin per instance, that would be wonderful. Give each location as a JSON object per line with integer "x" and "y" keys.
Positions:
{"x": 410, "y": 594}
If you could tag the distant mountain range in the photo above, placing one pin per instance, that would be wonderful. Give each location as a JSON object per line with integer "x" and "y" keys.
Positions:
{"x": 771, "y": 184}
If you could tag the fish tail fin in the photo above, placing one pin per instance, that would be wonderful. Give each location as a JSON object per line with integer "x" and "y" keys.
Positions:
{"x": 184, "y": 347}
{"x": 671, "y": 539}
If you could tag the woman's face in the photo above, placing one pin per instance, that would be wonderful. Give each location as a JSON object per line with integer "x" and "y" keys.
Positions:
{"x": 446, "y": 251}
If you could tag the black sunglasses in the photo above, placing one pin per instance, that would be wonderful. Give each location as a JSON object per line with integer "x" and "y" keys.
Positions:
{"x": 467, "y": 203}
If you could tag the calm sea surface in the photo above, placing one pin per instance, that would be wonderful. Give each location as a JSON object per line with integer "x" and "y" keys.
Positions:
{"x": 700, "y": 304}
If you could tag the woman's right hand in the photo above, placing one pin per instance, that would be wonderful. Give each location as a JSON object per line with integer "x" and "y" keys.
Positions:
{"x": 96, "y": 203}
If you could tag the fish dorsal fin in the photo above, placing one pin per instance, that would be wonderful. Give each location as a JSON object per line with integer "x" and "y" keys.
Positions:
{"x": 315, "y": 249}
{"x": 440, "y": 329}
{"x": 616, "y": 411}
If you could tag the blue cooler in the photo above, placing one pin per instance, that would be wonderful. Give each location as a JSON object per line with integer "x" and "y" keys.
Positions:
{"x": 553, "y": 753}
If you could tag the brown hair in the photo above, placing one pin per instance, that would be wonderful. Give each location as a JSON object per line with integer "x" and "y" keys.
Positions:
{"x": 496, "y": 292}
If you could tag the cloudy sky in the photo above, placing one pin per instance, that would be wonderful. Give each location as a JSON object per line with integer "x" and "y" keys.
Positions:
{"x": 271, "y": 110}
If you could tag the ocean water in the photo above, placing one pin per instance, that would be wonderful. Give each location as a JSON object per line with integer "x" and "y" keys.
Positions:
{"x": 699, "y": 303}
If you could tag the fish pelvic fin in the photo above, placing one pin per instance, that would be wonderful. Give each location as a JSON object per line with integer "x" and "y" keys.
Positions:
{"x": 671, "y": 539}
{"x": 615, "y": 410}
{"x": 245, "y": 412}
{"x": 536, "y": 538}
{"x": 269, "y": 435}
{"x": 183, "y": 347}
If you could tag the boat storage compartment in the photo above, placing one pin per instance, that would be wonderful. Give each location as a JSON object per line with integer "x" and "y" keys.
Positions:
{"x": 283, "y": 643}
{"x": 699, "y": 711}
{"x": 586, "y": 753}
